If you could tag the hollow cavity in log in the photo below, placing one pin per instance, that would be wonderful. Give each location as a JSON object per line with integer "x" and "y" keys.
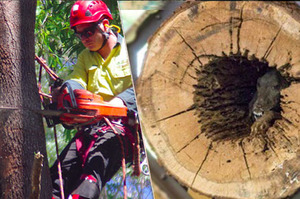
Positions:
{"x": 225, "y": 87}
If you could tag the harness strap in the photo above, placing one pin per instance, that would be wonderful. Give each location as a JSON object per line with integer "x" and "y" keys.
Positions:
{"x": 123, "y": 158}
{"x": 83, "y": 150}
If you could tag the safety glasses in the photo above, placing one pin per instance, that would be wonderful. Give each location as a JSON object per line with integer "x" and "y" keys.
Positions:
{"x": 88, "y": 32}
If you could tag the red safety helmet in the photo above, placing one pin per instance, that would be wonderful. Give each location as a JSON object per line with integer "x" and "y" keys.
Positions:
{"x": 88, "y": 12}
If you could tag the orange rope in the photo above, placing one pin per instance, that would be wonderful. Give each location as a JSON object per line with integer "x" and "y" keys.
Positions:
{"x": 59, "y": 167}
{"x": 44, "y": 94}
{"x": 136, "y": 149}
{"x": 43, "y": 64}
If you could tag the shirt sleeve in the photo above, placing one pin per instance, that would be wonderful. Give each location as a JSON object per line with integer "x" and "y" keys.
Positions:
{"x": 128, "y": 98}
{"x": 79, "y": 73}
{"x": 74, "y": 84}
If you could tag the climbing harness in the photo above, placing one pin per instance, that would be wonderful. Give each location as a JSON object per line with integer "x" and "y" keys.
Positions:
{"x": 76, "y": 109}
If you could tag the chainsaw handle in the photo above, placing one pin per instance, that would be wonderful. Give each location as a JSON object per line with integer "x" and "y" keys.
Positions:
{"x": 71, "y": 93}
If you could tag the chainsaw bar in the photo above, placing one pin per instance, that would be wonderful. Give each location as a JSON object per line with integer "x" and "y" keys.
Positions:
{"x": 49, "y": 113}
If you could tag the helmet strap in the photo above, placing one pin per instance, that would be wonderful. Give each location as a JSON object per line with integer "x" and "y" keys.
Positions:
{"x": 105, "y": 35}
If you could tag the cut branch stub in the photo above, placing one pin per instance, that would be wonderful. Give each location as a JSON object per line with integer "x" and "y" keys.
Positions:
{"x": 199, "y": 77}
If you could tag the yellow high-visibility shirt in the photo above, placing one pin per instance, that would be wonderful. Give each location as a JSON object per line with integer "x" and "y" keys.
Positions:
{"x": 103, "y": 77}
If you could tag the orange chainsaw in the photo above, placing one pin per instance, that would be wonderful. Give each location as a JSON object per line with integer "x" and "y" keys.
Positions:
{"x": 75, "y": 107}
{"x": 80, "y": 107}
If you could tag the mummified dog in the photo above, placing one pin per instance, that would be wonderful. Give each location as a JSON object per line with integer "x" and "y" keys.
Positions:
{"x": 265, "y": 106}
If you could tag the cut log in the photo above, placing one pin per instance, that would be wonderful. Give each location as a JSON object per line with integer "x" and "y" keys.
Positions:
{"x": 193, "y": 96}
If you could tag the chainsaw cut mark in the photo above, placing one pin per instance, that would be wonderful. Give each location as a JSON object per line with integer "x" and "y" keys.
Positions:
{"x": 210, "y": 33}
{"x": 241, "y": 20}
{"x": 177, "y": 114}
{"x": 193, "y": 77}
{"x": 270, "y": 47}
{"x": 236, "y": 22}
{"x": 202, "y": 163}
{"x": 231, "y": 36}
{"x": 186, "y": 145}
{"x": 245, "y": 158}
{"x": 222, "y": 25}
{"x": 189, "y": 46}
{"x": 187, "y": 68}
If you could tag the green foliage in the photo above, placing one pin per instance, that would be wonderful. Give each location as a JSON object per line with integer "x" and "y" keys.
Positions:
{"x": 55, "y": 41}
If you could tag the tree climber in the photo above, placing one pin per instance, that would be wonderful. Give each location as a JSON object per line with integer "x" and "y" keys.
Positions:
{"x": 94, "y": 155}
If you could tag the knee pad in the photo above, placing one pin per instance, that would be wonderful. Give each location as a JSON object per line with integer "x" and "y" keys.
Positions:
{"x": 88, "y": 188}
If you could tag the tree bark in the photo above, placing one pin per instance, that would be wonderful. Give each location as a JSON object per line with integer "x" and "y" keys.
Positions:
{"x": 21, "y": 130}
{"x": 194, "y": 92}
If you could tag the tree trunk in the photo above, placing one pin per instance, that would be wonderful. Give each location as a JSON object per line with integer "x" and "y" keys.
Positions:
{"x": 21, "y": 130}
{"x": 194, "y": 92}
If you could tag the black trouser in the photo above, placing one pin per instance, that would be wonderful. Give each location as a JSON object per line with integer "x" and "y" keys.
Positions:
{"x": 102, "y": 162}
